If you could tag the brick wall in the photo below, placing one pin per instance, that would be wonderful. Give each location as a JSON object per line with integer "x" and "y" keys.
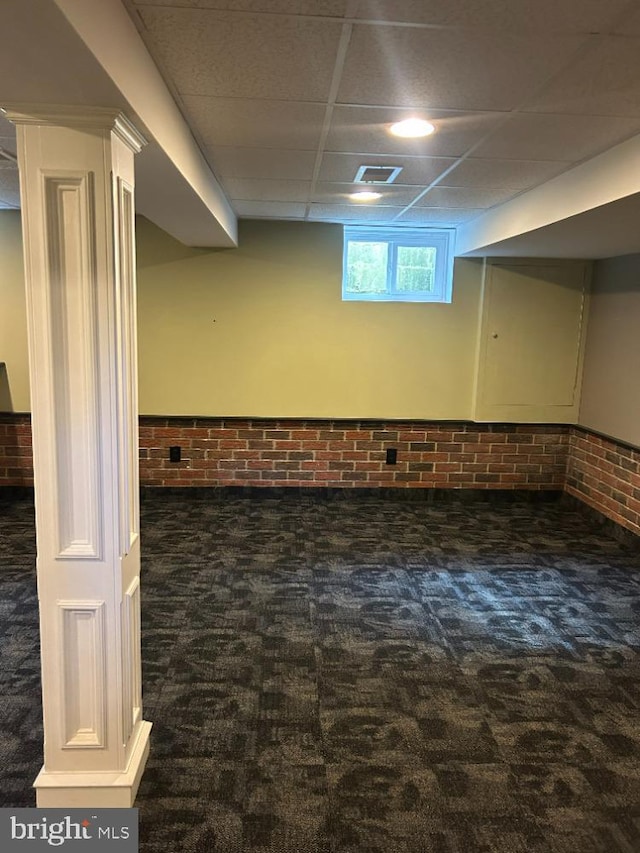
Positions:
{"x": 605, "y": 475}
{"x": 220, "y": 452}
{"x": 352, "y": 454}
{"x": 16, "y": 462}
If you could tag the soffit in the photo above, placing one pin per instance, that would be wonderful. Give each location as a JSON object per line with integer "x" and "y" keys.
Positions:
{"x": 76, "y": 54}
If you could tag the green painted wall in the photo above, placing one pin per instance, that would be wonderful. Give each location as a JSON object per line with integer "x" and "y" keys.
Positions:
{"x": 14, "y": 378}
{"x": 262, "y": 330}
{"x": 611, "y": 383}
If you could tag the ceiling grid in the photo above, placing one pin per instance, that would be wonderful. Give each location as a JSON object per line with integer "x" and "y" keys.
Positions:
{"x": 288, "y": 99}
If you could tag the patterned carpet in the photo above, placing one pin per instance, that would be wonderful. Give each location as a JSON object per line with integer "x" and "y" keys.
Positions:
{"x": 354, "y": 675}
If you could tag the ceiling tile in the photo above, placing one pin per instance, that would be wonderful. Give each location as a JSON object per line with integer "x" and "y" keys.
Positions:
{"x": 262, "y": 163}
{"x": 270, "y": 209}
{"x": 227, "y": 54}
{"x": 537, "y": 136}
{"x": 333, "y": 8}
{"x": 416, "y": 171}
{"x": 437, "y": 216}
{"x": 266, "y": 124}
{"x": 365, "y": 130}
{"x": 586, "y": 16}
{"x": 503, "y": 174}
{"x": 603, "y": 81}
{"x": 449, "y": 69}
{"x": 463, "y": 197}
{"x": 392, "y": 196}
{"x": 250, "y": 189}
{"x": 354, "y": 213}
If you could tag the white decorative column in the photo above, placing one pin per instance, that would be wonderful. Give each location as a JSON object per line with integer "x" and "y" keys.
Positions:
{"x": 77, "y": 179}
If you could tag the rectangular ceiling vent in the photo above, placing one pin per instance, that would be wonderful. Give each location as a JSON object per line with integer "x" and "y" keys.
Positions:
{"x": 377, "y": 174}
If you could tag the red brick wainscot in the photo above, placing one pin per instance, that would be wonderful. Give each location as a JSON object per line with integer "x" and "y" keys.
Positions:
{"x": 605, "y": 474}
{"x": 352, "y": 454}
{"x": 16, "y": 455}
{"x": 599, "y": 471}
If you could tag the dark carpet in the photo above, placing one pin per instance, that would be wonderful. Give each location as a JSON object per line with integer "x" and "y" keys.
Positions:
{"x": 354, "y": 675}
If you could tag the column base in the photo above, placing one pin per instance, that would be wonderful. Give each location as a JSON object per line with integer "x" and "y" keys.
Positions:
{"x": 98, "y": 790}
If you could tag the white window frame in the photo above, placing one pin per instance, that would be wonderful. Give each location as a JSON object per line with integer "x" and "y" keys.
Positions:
{"x": 441, "y": 239}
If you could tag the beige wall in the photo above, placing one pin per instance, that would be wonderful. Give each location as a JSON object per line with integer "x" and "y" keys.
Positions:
{"x": 14, "y": 381}
{"x": 262, "y": 330}
{"x": 611, "y": 380}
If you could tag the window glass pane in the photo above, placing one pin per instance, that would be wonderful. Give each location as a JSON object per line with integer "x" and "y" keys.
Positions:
{"x": 366, "y": 267}
{"x": 416, "y": 269}
{"x": 397, "y": 264}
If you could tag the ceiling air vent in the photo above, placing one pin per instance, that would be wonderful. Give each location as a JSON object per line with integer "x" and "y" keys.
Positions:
{"x": 377, "y": 174}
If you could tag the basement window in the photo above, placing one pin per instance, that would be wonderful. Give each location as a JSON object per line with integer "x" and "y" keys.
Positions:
{"x": 397, "y": 264}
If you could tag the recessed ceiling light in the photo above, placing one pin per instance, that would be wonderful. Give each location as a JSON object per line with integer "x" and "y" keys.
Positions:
{"x": 412, "y": 128}
{"x": 365, "y": 195}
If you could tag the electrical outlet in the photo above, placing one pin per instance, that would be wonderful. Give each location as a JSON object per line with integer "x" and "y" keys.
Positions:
{"x": 175, "y": 453}
{"x": 392, "y": 455}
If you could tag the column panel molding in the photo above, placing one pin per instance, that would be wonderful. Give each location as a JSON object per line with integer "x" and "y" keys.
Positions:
{"x": 131, "y": 665}
{"x": 128, "y": 370}
{"x": 71, "y": 282}
{"x": 83, "y": 674}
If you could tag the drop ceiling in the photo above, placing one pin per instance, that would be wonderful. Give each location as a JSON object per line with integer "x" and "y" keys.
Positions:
{"x": 287, "y": 99}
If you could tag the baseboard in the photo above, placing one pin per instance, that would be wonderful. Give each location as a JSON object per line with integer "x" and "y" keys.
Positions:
{"x": 16, "y": 493}
{"x": 421, "y": 495}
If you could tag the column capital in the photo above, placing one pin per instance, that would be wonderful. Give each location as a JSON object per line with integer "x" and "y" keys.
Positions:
{"x": 78, "y": 117}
